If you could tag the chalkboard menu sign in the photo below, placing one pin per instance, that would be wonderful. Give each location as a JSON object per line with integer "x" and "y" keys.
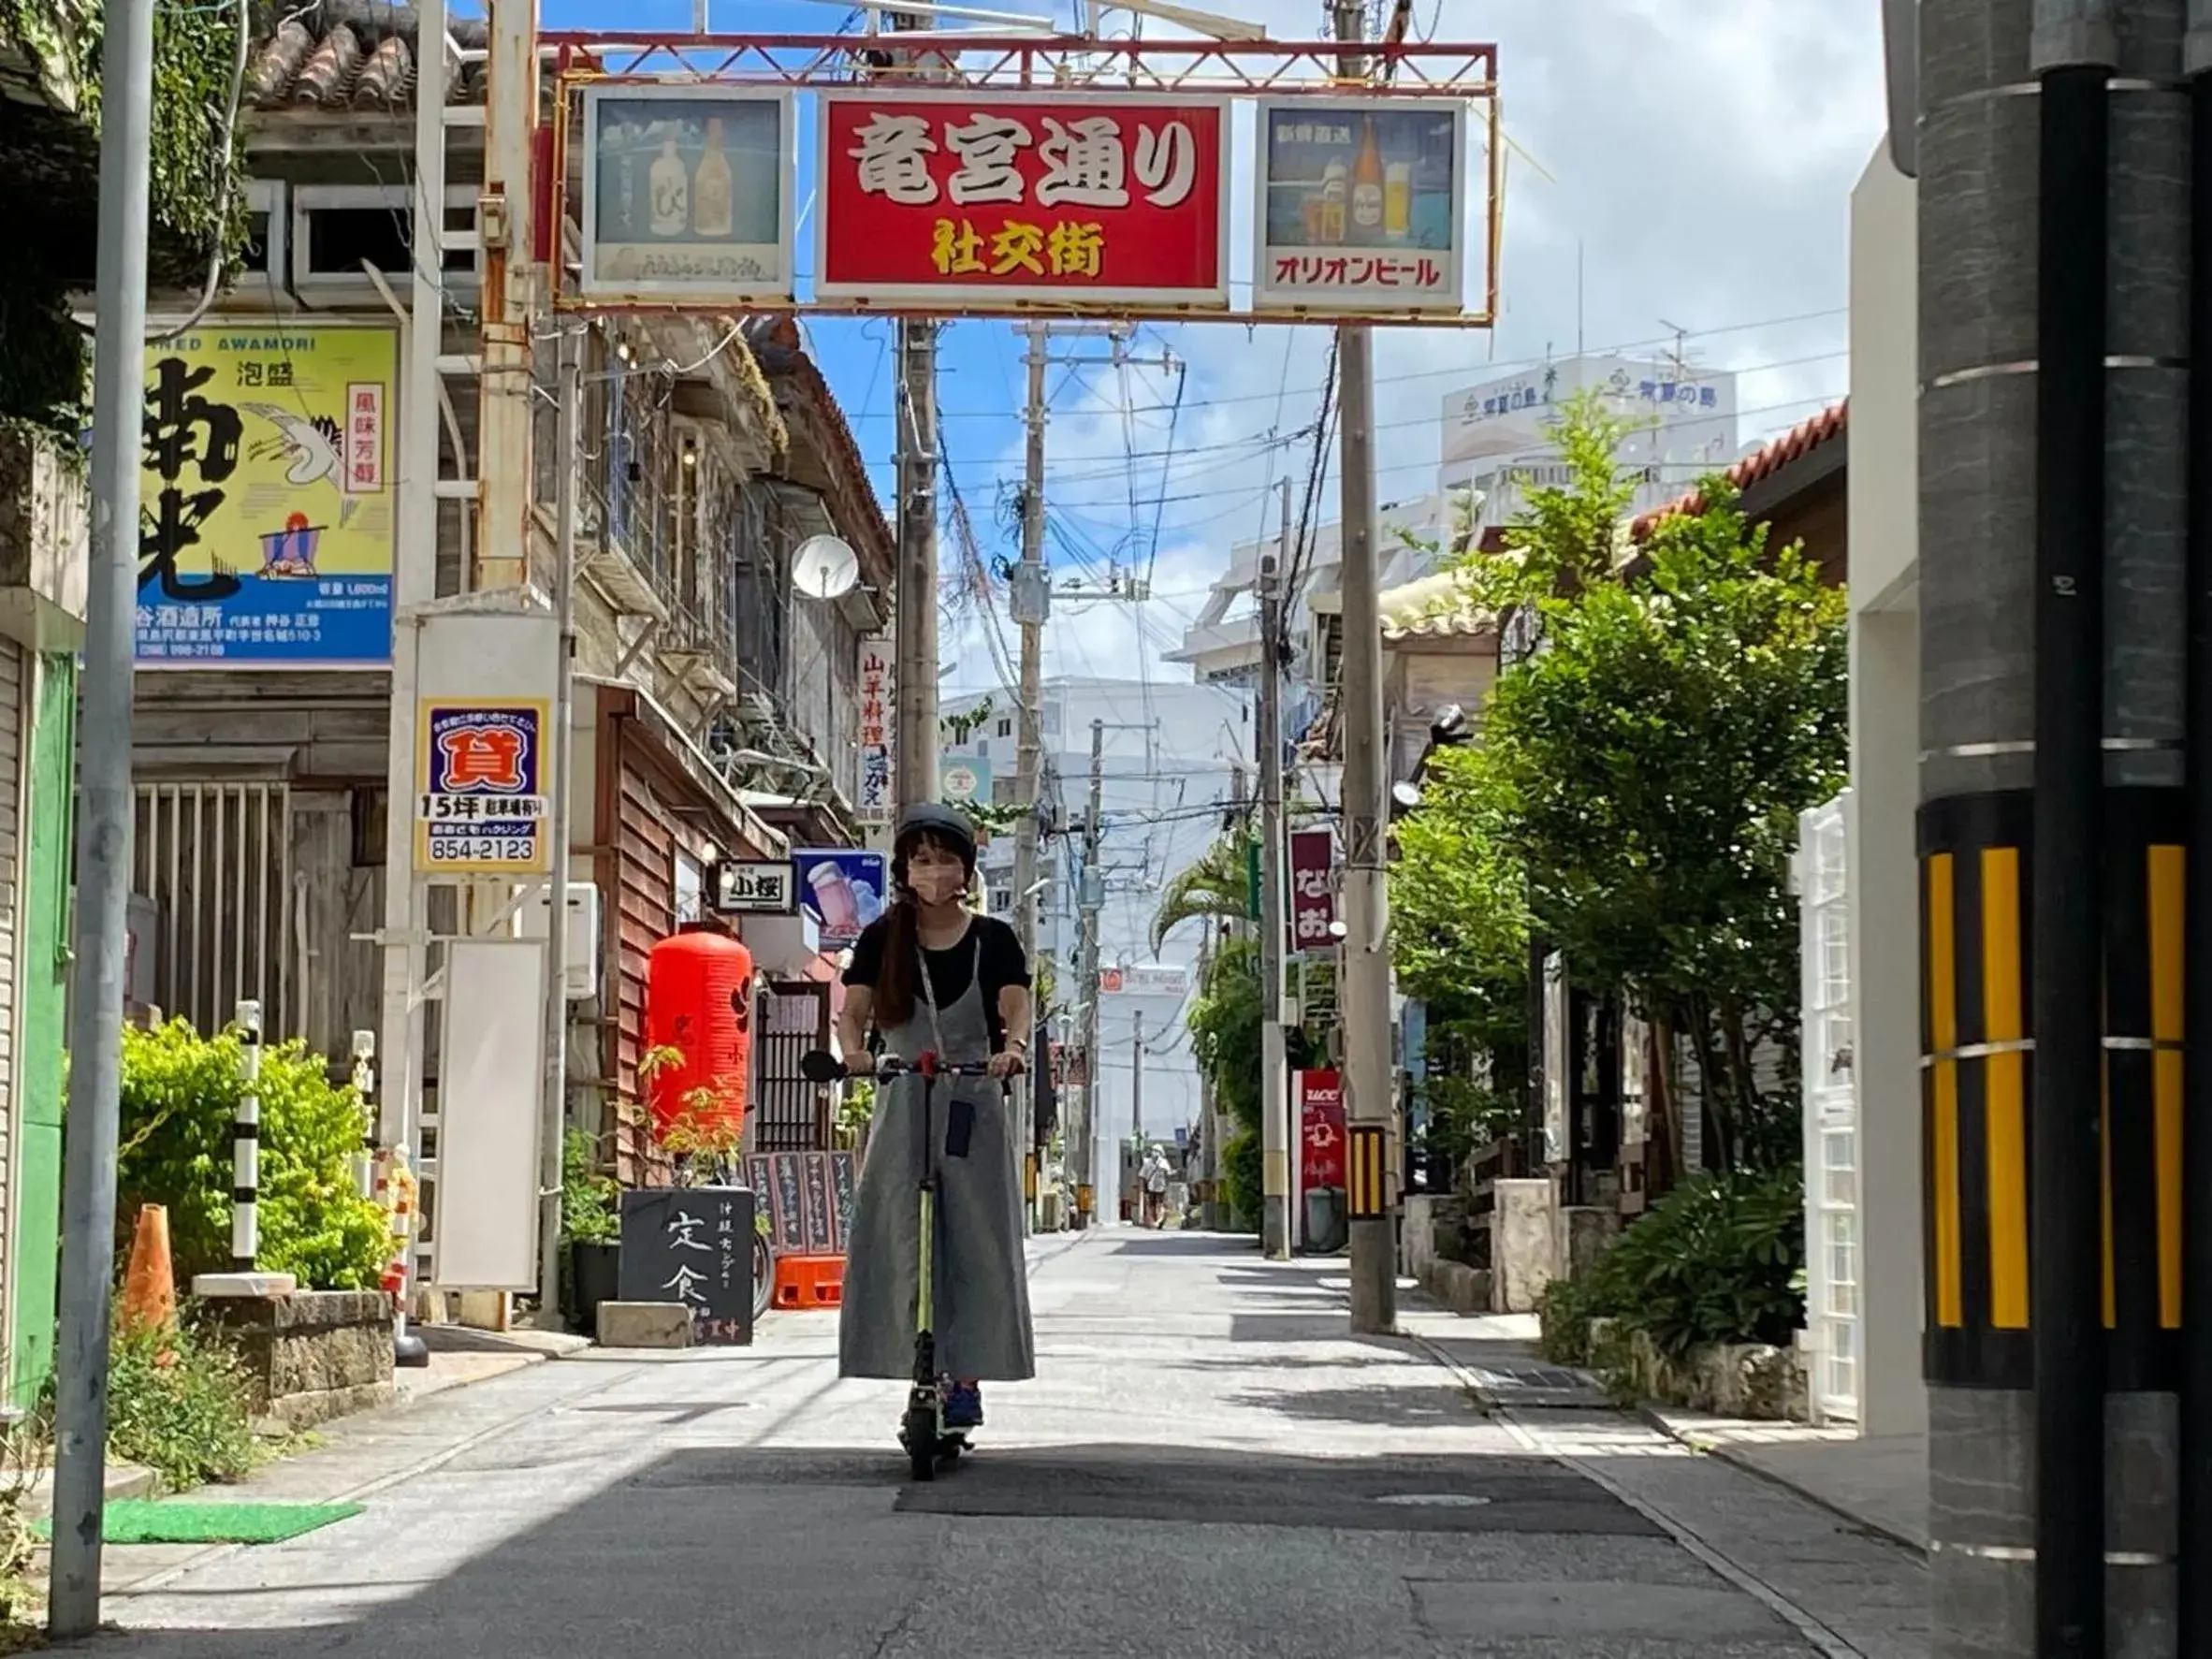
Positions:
{"x": 692, "y": 1244}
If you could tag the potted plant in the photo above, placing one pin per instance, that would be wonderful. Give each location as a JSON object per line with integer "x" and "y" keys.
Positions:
{"x": 591, "y": 1229}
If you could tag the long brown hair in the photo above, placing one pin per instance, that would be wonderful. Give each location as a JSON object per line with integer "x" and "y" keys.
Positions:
{"x": 898, "y": 978}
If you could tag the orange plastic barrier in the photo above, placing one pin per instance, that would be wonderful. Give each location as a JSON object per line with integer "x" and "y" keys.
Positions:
{"x": 809, "y": 1281}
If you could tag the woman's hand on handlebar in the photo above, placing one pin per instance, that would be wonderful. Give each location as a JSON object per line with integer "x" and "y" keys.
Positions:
{"x": 1008, "y": 1063}
{"x": 860, "y": 1063}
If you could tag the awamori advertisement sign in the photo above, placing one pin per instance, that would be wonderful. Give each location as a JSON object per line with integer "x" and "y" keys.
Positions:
{"x": 841, "y": 890}
{"x": 687, "y": 194}
{"x": 266, "y": 502}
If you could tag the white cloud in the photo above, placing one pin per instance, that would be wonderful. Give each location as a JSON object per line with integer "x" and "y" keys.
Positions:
{"x": 1699, "y": 161}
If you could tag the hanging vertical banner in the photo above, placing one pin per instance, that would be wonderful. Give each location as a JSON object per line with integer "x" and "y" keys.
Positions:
{"x": 876, "y": 689}
{"x": 990, "y": 198}
{"x": 1313, "y": 891}
{"x": 687, "y": 194}
{"x": 1320, "y": 1130}
{"x": 267, "y": 513}
{"x": 1361, "y": 205}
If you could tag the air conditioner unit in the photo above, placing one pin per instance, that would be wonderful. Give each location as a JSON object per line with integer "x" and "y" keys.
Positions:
{"x": 581, "y": 969}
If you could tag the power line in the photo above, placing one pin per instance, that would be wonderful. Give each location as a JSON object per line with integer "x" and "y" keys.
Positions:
{"x": 1489, "y": 371}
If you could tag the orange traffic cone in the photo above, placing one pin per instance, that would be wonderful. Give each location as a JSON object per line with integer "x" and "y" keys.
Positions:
{"x": 149, "y": 1288}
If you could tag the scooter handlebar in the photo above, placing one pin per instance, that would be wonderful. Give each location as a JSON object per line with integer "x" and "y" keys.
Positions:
{"x": 820, "y": 1066}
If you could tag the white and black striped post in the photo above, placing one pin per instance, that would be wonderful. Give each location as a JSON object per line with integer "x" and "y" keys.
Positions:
{"x": 365, "y": 1090}
{"x": 245, "y": 1144}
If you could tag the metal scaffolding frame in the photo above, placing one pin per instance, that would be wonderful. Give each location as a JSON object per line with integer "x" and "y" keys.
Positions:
{"x": 1070, "y": 64}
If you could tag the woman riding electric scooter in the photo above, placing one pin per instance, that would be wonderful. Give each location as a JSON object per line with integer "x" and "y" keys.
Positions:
{"x": 931, "y": 977}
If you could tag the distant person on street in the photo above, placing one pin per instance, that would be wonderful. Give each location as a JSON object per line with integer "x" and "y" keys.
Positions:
{"x": 1154, "y": 1178}
{"x": 929, "y": 975}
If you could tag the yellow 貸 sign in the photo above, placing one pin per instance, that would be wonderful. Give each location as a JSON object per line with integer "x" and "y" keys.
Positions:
{"x": 267, "y": 508}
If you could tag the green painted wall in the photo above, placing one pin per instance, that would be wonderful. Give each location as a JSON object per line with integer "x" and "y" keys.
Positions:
{"x": 49, "y": 825}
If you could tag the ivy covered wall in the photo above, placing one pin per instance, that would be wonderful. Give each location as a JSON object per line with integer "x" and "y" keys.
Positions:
{"x": 50, "y": 64}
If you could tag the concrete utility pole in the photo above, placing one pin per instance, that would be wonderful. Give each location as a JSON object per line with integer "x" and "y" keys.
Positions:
{"x": 505, "y": 386}
{"x": 103, "y": 826}
{"x": 2051, "y": 762}
{"x": 916, "y": 602}
{"x": 1368, "y": 1100}
{"x": 406, "y": 916}
{"x": 1089, "y": 899}
{"x": 1275, "y": 1115}
{"x": 553, "y": 1132}
{"x": 1030, "y": 612}
{"x": 1136, "y": 1078}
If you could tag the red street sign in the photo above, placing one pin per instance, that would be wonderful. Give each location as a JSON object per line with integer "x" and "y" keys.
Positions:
{"x": 1313, "y": 897}
{"x": 1320, "y": 1129}
{"x": 1002, "y": 199}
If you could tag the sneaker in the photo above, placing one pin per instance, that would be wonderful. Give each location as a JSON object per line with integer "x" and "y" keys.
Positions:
{"x": 963, "y": 1408}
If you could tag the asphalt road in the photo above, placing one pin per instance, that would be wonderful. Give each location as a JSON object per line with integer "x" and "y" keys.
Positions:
{"x": 1208, "y": 1466}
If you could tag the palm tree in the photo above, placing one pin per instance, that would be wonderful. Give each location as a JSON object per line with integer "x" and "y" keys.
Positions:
{"x": 1218, "y": 886}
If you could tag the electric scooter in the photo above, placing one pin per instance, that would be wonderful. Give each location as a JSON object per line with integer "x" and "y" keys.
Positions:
{"x": 923, "y": 1432}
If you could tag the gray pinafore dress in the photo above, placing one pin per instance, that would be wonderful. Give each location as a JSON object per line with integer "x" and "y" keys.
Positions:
{"x": 980, "y": 1280}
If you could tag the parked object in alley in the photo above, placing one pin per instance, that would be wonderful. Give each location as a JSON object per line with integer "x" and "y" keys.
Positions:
{"x": 645, "y": 1325}
{"x": 150, "y": 1287}
{"x": 694, "y": 1245}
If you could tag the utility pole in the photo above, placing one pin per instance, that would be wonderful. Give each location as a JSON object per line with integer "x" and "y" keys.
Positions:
{"x": 553, "y": 1130}
{"x": 506, "y": 388}
{"x": 915, "y": 598}
{"x": 1369, "y": 1107}
{"x": 2051, "y": 797}
{"x": 1275, "y": 1115}
{"x": 1210, "y": 1169}
{"x": 916, "y": 601}
{"x": 1136, "y": 1078}
{"x": 1090, "y": 896}
{"x": 103, "y": 826}
{"x": 1031, "y": 603}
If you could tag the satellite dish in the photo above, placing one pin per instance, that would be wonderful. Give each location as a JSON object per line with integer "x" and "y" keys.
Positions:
{"x": 824, "y": 568}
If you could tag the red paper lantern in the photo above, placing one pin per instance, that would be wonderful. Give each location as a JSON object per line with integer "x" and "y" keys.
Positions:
{"x": 699, "y": 1006}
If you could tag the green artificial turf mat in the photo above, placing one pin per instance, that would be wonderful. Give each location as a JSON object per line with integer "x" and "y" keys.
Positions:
{"x": 182, "y": 1521}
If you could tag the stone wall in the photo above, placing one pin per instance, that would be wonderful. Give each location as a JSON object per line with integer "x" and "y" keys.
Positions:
{"x": 1727, "y": 1379}
{"x": 313, "y": 1355}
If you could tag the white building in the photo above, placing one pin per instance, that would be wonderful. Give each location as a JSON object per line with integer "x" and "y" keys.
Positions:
{"x": 1497, "y": 440}
{"x": 1168, "y": 756}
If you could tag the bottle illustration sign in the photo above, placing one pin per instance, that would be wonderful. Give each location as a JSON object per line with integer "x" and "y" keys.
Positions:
{"x": 841, "y": 890}
{"x": 687, "y": 193}
{"x": 1362, "y": 205}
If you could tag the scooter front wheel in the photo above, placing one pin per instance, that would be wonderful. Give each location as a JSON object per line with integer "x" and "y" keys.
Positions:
{"x": 920, "y": 1437}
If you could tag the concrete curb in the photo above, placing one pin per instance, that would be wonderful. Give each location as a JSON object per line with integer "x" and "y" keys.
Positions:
{"x": 1653, "y": 1416}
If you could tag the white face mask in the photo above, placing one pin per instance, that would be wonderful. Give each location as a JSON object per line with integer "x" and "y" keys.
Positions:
{"x": 937, "y": 884}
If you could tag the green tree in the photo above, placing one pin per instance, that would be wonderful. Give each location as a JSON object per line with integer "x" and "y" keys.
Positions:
{"x": 1636, "y": 797}
{"x": 1217, "y": 887}
{"x": 179, "y": 1099}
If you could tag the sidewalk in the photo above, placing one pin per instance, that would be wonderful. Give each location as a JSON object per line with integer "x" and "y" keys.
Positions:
{"x": 1879, "y": 1483}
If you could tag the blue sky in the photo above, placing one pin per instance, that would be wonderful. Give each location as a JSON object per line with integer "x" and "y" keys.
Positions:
{"x": 1694, "y": 160}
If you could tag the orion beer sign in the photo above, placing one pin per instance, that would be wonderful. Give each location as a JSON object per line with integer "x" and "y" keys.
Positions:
{"x": 1311, "y": 911}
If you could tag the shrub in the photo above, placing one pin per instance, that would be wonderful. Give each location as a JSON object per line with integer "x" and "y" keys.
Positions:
{"x": 1243, "y": 1176}
{"x": 590, "y": 1202}
{"x": 180, "y": 1096}
{"x": 1719, "y": 1259}
{"x": 178, "y": 1403}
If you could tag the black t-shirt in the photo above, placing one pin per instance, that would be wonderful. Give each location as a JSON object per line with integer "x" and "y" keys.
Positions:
{"x": 1002, "y": 965}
